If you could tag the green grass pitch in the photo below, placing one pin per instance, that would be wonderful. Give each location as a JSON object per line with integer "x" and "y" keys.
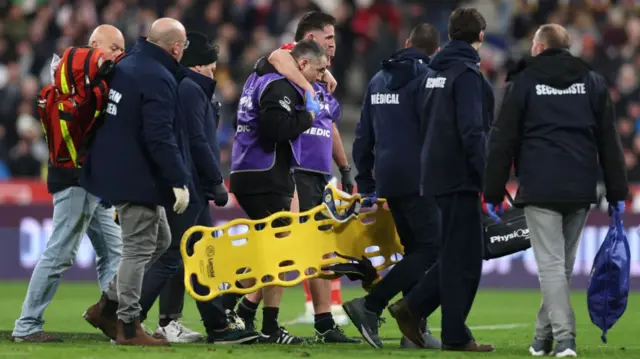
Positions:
{"x": 503, "y": 318}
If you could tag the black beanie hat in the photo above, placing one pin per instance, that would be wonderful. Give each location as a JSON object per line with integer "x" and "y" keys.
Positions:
{"x": 200, "y": 52}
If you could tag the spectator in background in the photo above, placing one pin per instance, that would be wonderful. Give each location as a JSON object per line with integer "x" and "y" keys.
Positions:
{"x": 31, "y": 31}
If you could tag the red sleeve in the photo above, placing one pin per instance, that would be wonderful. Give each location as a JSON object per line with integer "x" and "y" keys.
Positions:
{"x": 287, "y": 47}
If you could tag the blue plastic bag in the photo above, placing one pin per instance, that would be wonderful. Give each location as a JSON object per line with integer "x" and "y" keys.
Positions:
{"x": 609, "y": 282}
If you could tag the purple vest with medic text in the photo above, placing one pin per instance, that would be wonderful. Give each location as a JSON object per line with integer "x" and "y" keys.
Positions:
{"x": 317, "y": 144}
{"x": 247, "y": 153}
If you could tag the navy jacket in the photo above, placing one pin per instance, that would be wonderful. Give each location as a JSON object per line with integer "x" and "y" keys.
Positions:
{"x": 557, "y": 123}
{"x": 386, "y": 150}
{"x": 456, "y": 113}
{"x": 200, "y": 113}
{"x": 138, "y": 154}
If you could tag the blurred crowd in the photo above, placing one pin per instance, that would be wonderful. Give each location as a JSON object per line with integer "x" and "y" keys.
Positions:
{"x": 606, "y": 33}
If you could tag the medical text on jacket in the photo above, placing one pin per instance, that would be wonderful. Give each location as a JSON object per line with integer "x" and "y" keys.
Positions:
{"x": 385, "y": 99}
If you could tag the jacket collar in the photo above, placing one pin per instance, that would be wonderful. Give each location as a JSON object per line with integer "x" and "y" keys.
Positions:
{"x": 158, "y": 54}
{"x": 208, "y": 85}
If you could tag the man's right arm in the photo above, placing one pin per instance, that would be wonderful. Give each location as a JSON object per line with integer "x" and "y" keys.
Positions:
{"x": 363, "y": 148}
{"x": 279, "y": 118}
{"x": 610, "y": 152}
{"x": 158, "y": 114}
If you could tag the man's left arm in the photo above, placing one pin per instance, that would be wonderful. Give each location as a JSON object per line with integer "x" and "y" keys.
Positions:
{"x": 503, "y": 139}
{"x": 468, "y": 98}
{"x": 341, "y": 160}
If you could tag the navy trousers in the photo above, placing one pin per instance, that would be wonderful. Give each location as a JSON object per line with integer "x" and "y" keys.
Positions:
{"x": 452, "y": 282}
{"x": 170, "y": 264}
{"x": 417, "y": 221}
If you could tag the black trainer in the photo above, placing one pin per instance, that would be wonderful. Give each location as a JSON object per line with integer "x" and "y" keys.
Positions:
{"x": 281, "y": 336}
{"x": 365, "y": 320}
{"x": 334, "y": 335}
{"x": 233, "y": 335}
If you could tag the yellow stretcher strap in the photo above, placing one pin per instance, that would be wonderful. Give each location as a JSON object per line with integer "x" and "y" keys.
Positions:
{"x": 256, "y": 249}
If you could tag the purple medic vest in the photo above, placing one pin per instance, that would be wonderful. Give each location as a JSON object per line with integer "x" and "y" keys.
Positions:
{"x": 317, "y": 143}
{"x": 248, "y": 154}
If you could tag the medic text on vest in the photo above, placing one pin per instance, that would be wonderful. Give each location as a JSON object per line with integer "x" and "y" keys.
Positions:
{"x": 385, "y": 99}
{"x": 314, "y": 131}
{"x": 114, "y": 99}
{"x": 575, "y": 89}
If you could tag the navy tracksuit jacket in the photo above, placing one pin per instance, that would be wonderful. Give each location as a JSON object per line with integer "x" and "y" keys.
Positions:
{"x": 386, "y": 150}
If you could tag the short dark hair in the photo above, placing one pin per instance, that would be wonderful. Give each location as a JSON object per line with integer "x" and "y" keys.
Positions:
{"x": 426, "y": 38}
{"x": 307, "y": 48}
{"x": 313, "y": 20}
{"x": 466, "y": 24}
{"x": 554, "y": 36}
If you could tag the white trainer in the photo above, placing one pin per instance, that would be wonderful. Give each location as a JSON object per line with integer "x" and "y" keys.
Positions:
{"x": 176, "y": 332}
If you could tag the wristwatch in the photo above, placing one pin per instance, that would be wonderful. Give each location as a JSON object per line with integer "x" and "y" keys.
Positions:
{"x": 345, "y": 168}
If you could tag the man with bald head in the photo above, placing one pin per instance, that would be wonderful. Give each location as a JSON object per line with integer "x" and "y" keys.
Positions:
{"x": 75, "y": 212}
{"x": 108, "y": 39}
{"x": 557, "y": 125}
{"x": 139, "y": 163}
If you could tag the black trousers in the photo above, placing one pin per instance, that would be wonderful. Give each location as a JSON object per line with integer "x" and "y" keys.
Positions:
{"x": 172, "y": 295}
{"x": 170, "y": 263}
{"x": 452, "y": 282}
{"x": 417, "y": 221}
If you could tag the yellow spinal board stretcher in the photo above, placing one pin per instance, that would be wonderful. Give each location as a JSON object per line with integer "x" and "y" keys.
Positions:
{"x": 255, "y": 250}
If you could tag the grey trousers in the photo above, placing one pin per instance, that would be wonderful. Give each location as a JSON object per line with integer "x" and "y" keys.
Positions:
{"x": 555, "y": 238}
{"x": 145, "y": 236}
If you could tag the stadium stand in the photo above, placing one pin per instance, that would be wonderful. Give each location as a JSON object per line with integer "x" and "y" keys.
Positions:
{"x": 605, "y": 33}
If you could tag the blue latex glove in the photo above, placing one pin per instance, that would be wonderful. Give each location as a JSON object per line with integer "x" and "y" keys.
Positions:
{"x": 495, "y": 211}
{"x": 619, "y": 207}
{"x": 369, "y": 199}
{"x": 312, "y": 104}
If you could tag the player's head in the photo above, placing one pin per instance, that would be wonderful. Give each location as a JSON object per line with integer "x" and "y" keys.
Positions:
{"x": 108, "y": 39}
{"x": 311, "y": 59}
{"x": 468, "y": 25}
{"x": 200, "y": 56}
{"x": 550, "y": 36}
{"x": 170, "y": 35}
{"x": 318, "y": 26}
{"x": 425, "y": 38}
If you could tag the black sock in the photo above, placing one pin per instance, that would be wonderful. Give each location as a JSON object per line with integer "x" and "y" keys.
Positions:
{"x": 230, "y": 301}
{"x": 373, "y": 305}
{"x": 163, "y": 322}
{"x": 269, "y": 320}
{"x": 247, "y": 310}
{"x": 129, "y": 330}
{"x": 324, "y": 322}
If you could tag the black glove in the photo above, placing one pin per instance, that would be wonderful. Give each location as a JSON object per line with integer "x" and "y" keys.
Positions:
{"x": 220, "y": 195}
{"x": 358, "y": 269}
{"x": 347, "y": 179}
